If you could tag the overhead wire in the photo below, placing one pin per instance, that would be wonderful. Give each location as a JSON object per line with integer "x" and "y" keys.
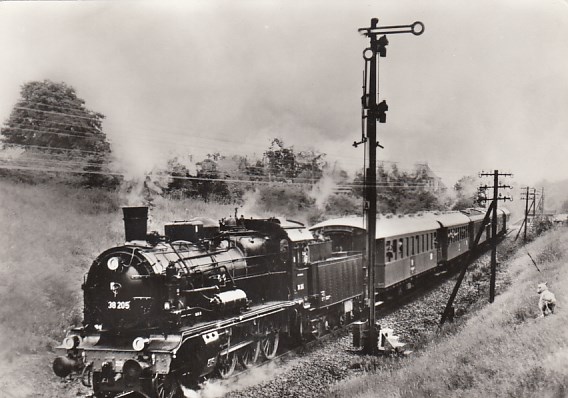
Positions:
{"x": 153, "y": 130}
{"x": 24, "y": 146}
{"x": 58, "y": 113}
{"x": 144, "y": 137}
{"x": 54, "y": 132}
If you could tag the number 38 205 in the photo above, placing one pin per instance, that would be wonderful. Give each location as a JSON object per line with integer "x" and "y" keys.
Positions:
{"x": 119, "y": 305}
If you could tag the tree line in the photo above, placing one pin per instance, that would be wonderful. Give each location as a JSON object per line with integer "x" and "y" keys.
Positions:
{"x": 51, "y": 134}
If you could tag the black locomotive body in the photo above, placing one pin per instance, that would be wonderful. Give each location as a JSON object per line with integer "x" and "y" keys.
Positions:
{"x": 162, "y": 311}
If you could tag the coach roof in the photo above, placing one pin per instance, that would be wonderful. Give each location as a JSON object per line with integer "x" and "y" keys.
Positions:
{"x": 386, "y": 226}
{"x": 448, "y": 220}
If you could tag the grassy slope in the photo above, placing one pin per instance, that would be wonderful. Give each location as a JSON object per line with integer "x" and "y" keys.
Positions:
{"x": 503, "y": 350}
{"x": 49, "y": 235}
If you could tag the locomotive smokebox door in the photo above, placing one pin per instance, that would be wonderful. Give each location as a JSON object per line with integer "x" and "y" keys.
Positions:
{"x": 135, "y": 223}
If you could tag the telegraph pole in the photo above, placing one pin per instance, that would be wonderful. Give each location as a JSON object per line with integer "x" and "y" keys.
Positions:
{"x": 496, "y": 198}
{"x": 491, "y": 213}
{"x": 371, "y": 112}
{"x": 534, "y": 202}
{"x": 526, "y": 213}
{"x": 527, "y": 195}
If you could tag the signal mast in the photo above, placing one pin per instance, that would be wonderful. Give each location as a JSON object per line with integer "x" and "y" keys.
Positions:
{"x": 373, "y": 111}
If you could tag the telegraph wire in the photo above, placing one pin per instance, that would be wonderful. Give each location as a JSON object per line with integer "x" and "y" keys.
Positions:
{"x": 351, "y": 160}
{"x": 56, "y": 106}
{"x": 174, "y": 177}
{"x": 51, "y": 148}
{"x": 87, "y": 135}
{"x": 59, "y": 113}
{"x": 160, "y": 139}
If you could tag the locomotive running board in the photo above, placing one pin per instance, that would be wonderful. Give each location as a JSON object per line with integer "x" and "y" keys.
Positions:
{"x": 255, "y": 312}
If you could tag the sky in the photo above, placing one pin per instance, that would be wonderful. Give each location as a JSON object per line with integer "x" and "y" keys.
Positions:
{"x": 484, "y": 88}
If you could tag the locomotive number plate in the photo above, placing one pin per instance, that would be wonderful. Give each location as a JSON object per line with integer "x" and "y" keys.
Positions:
{"x": 119, "y": 305}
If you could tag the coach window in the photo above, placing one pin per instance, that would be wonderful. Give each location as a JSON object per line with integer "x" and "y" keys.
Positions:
{"x": 417, "y": 239}
{"x": 401, "y": 247}
{"x": 389, "y": 251}
{"x": 407, "y": 248}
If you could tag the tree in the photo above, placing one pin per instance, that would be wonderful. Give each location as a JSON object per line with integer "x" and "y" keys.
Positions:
{"x": 564, "y": 207}
{"x": 402, "y": 192}
{"x": 281, "y": 160}
{"x": 56, "y": 132}
{"x": 210, "y": 184}
{"x": 466, "y": 192}
{"x": 310, "y": 165}
{"x": 181, "y": 183}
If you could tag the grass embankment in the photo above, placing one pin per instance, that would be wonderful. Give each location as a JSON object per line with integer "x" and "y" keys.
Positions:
{"x": 50, "y": 234}
{"x": 502, "y": 350}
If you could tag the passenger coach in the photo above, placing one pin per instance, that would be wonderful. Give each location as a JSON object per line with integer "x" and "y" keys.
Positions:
{"x": 406, "y": 246}
{"x": 413, "y": 245}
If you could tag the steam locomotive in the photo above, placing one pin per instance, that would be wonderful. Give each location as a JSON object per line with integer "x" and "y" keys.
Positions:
{"x": 164, "y": 311}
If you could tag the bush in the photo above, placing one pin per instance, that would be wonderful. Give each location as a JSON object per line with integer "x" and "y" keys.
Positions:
{"x": 540, "y": 225}
{"x": 287, "y": 200}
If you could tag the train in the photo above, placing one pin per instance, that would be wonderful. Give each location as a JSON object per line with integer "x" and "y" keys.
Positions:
{"x": 163, "y": 312}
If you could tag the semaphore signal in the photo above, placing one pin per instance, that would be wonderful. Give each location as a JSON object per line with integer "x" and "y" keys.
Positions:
{"x": 372, "y": 111}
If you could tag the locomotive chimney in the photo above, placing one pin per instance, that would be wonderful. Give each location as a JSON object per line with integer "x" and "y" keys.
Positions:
{"x": 135, "y": 223}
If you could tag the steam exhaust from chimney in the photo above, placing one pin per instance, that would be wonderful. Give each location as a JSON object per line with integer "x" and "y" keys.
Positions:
{"x": 135, "y": 223}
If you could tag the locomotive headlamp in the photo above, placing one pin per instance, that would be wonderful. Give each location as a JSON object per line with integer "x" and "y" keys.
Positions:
{"x": 139, "y": 343}
{"x": 71, "y": 342}
{"x": 167, "y": 305}
{"x": 113, "y": 263}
